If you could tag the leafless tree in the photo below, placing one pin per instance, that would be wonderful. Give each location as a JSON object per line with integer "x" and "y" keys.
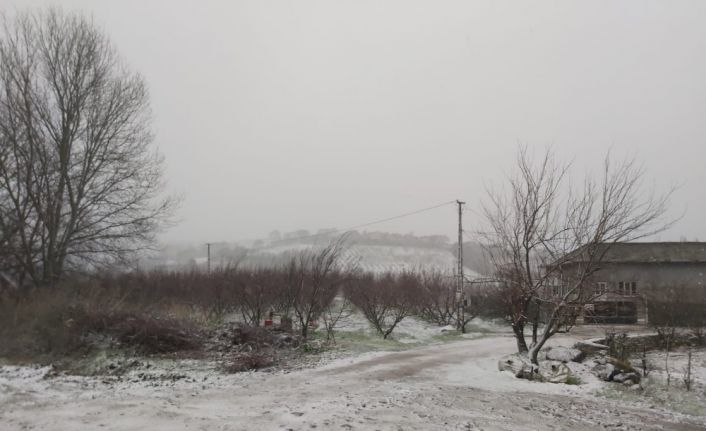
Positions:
{"x": 313, "y": 278}
{"x": 257, "y": 293}
{"x": 384, "y": 301}
{"x": 437, "y": 302}
{"x": 546, "y": 238}
{"x": 688, "y": 379}
{"x": 339, "y": 308}
{"x": 80, "y": 182}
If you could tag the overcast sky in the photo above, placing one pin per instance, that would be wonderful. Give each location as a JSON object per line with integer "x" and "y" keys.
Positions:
{"x": 316, "y": 114}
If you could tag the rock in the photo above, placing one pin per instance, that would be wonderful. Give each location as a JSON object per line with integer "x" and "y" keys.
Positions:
{"x": 605, "y": 372}
{"x": 512, "y": 363}
{"x": 589, "y": 347}
{"x": 519, "y": 366}
{"x": 623, "y": 366}
{"x": 555, "y": 372}
{"x": 627, "y": 377}
{"x": 565, "y": 354}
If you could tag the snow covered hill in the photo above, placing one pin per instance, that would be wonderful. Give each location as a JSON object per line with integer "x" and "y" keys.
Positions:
{"x": 377, "y": 258}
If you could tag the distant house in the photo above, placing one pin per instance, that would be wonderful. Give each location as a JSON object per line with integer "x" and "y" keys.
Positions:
{"x": 632, "y": 277}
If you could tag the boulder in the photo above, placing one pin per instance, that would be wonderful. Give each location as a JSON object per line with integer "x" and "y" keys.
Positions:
{"x": 590, "y": 347}
{"x": 522, "y": 368}
{"x": 554, "y": 372}
{"x": 627, "y": 377}
{"x": 605, "y": 372}
{"x": 623, "y": 366}
{"x": 565, "y": 354}
{"x": 512, "y": 363}
{"x": 519, "y": 366}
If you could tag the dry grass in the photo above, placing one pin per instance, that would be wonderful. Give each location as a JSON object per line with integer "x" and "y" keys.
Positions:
{"x": 249, "y": 361}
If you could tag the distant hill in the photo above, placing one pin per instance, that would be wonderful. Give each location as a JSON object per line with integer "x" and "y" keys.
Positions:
{"x": 370, "y": 251}
{"x": 376, "y": 252}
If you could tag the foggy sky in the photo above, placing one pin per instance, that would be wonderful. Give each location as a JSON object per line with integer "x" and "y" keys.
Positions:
{"x": 303, "y": 114}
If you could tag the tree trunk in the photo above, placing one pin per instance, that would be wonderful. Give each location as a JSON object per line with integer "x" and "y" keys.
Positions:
{"x": 519, "y": 331}
{"x": 546, "y": 334}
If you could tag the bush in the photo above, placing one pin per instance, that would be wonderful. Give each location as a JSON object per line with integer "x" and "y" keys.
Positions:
{"x": 64, "y": 320}
{"x": 249, "y": 361}
{"x": 148, "y": 335}
{"x": 574, "y": 380}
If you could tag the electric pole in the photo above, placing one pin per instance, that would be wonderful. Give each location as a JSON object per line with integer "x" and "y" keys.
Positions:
{"x": 208, "y": 257}
{"x": 460, "y": 294}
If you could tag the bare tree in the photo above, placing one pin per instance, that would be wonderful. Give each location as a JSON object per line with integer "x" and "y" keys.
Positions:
{"x": 546, "y": 238}
{"x": 384, "y": 301}
{"x": 688, "y": 379}
{"x": 312, "y": 280}
{"x": 79, "y": 178}
{"x": 257, "y": 290}
{"x": 339, "y": 308}
{"x": 437, "y": 303}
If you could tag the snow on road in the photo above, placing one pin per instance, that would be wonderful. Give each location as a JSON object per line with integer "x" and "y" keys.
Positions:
{"x": 454, "y": 386}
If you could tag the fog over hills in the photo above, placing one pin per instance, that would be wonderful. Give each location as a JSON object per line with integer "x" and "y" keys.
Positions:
{"x": 376, "y": 252}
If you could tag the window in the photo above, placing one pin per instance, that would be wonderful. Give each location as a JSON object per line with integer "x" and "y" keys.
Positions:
{"x": 627, "y": 288}
{"x": 601, "y": 288}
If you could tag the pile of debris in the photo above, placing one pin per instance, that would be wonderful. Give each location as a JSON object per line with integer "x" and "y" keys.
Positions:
{"x": 547, "y": 371}
{"x": 610, "y": 369}
{"x": 242, "y": 347}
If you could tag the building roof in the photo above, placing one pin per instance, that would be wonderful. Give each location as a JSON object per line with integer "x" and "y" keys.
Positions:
{"x": 656, "y": 252}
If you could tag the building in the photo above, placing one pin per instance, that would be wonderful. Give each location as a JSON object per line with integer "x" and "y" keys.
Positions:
{"x": 634, "y": 278}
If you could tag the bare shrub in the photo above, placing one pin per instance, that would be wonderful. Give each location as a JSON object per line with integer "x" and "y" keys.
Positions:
{"x": 644, "y": 362}
{"x": 249, "y": 361}
{"x": 59, "y": 321}
{"x": 312, "y": 280}
{"x": 384, "y": 301}
{"x": 688, "y": 380}
{"x": 254, "y": 337}
{"x": 339, "y": 308}
{"x": 437, "y": 302}
{"x": 257, "y": 292}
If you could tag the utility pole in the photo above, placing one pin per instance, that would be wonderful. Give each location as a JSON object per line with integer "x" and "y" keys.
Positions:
{"x": 208, "y": 257}
{"x": 460, "y": 294}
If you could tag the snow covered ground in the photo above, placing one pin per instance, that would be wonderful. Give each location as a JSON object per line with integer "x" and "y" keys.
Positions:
{"x": 440, "y": 386}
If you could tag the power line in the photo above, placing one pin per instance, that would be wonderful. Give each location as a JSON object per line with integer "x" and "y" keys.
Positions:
{"x": 411, "y": 213}
{"x": 399, "y": 216}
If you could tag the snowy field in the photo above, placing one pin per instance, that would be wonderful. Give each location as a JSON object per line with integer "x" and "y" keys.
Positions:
{"x": 432, "y": 384}
{"x": 382, "y": 259}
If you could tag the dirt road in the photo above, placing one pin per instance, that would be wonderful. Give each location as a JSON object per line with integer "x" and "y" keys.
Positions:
{"x": 452, "y": 386}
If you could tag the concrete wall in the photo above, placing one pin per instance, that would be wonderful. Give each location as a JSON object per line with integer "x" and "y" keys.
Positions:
{"x": 656, "y": 282}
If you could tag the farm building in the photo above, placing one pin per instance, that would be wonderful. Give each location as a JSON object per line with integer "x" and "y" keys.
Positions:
{"x": 640, "y": 282}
